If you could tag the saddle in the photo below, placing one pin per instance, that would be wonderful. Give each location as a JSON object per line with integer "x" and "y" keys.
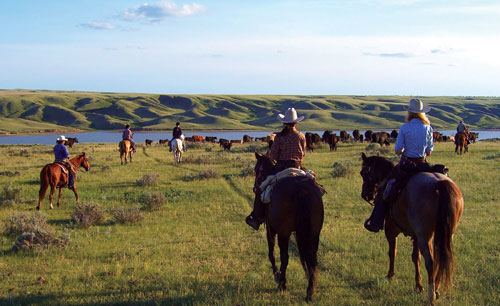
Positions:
{"x": 267, "y": 185}
{"x": 406, "y": 170}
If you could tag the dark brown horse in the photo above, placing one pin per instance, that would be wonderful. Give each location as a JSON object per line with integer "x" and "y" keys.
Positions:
{"x": 295, "y": 207}
{"x": 428, "y": 207}
{"x": 53, "y": 176}
{"x": 461, "y": 142}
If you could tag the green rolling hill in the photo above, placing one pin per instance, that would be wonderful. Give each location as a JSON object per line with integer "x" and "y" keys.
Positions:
{"x": 24, "y": 111}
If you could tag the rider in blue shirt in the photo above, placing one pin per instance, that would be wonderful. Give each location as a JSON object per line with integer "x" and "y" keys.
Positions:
{"x": 61, "y": 155}
{"x": 414, "y": 143}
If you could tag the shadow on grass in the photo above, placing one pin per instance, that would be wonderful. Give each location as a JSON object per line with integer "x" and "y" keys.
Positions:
{"x": 206, "y": 293}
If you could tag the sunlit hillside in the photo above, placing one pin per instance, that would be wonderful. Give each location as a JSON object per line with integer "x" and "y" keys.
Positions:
{"x": 42, "y": 111}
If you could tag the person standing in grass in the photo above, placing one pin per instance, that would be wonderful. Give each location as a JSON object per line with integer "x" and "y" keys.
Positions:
{"x": 414, "y": 143}
{"x": 288, "y": 150}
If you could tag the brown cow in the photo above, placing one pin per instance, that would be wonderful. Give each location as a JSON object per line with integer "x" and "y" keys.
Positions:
{"x": 381, "y": 138}
{"x": 368, "y": 135}
{"x": 148, "y": 142}
{"x": 437, "y": 137}
{"x": 198, "y": 138}
{"x": 473, "y": 136}
{"x": 71, "y": 141}
{"x": 333, "y": 142}
{"x": 394, "y": 134}
{"x": 163, "y": 141}
{"x": 191, "y": 139}
{"x": 226, "y": 146}
{"x": 344, "y": 136}
{"x": 356, "y": 135}
{"x": 236, "y": 141}
{"x": 260, "y": 139}
{"x": 222, "y": 141}
{"x": 210, "y": 139}
{"x": 247, "y": 138}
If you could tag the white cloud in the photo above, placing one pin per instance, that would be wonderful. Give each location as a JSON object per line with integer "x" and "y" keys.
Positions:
{"x": 94, "y": 25}
{"x": 390, "y": 54}
{"x": 160, "y": 11}
{"x": 492, "y": 9}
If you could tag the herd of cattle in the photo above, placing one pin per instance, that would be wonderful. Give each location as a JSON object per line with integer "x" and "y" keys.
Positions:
{"x": 312, "y": 139}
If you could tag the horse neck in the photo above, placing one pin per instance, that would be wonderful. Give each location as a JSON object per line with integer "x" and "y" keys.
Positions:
{"x": 384, "y": 168}
{"x": 76, "y": 161}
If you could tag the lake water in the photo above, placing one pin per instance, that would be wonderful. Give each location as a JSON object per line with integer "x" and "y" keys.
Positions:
{"x": 140, "y": 137}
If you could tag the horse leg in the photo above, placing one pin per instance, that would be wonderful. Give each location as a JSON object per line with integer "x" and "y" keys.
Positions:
{"x": 271, "y": 240}
{"x": 415, "y": 256}
{"x": 51, "y": 195}
{"x": 283, "y": 244}
{"x": 426, "y": 250}
{"x": 59, "y": 197}
{"x": 391, "y": 234}
{"x": 130, "y": 156}
{"x": 121, "y": 158}
{"x": 41, "y": 194}
{"x": 76, "y": 194}
{"x": 312, "y": 267}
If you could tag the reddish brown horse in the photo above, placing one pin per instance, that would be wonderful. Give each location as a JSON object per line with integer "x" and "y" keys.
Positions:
{"x": 428, "y": 207}
{"x": 53, "y": 176}
{"x": 461, "y": 142}
{"x": 295, "y": 207}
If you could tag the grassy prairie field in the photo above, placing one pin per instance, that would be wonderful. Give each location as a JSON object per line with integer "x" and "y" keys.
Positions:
{"x": 198, "y": 250}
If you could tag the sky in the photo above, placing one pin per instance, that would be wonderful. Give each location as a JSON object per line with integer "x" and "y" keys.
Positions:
{"x": 314, "y": 47}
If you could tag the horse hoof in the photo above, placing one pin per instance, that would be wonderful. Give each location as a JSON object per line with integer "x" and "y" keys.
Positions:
{"x": 437, "y": 295}
{"x": 419, "y": 289}
{"x": 38, "y": 208}
{"x": 282, "y": 287}
{"x": 389, "y": 276}
{"x": 308, "y": 299}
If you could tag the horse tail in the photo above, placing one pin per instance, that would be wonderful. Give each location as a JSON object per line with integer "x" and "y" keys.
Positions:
{"x": 44, "y": 181}
{"x": 308, "y": 226}
{"x": 445, "y": 225}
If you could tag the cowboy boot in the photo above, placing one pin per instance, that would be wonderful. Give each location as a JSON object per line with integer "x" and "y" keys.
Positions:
{"x": 256, "y": 217}
{"x": 71, "y": 180}
{"x": 376, "y": 220}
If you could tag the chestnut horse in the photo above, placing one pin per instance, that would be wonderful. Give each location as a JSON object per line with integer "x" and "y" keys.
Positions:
{"x": 430, "y": 205}
{"x": 53, "y": 176}
{"x": 125, "y": 149}
{"x": 295, "y": 207}
{"x": 461, "y": 142}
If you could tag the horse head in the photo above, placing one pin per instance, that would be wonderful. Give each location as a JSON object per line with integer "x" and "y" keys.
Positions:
{"x": 263, "y": 168}
{"x": 374, "y": 169}
{"x": 84, "y": 162}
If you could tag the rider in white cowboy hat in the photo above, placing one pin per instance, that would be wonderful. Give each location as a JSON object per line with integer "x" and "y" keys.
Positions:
{"x": 288, "y": 150}
{"x": 61, "y": 155}
{"x": 414, "y": 143}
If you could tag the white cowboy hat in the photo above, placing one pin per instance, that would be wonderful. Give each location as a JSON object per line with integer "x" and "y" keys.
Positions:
{"x": 61, "y": 138}
{"x": 417, "y": 106}
{"x": 290, "y": 116}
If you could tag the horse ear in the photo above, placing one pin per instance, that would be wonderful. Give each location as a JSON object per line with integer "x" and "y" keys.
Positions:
{"x": 363, "y": 156}
{"x": 257, "y": 155}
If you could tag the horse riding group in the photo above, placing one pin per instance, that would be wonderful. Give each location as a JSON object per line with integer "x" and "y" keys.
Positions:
{"x": 412, "y": 197}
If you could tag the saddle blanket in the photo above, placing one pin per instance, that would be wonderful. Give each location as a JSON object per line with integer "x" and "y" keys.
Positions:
{"x": 63, "y": 167}
{"x": 266, "y": 187}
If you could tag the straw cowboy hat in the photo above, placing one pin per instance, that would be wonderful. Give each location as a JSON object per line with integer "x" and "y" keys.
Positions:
{"x": 61, "y": 138}
{"x": 290, "y": 116}
{"x": 417, "y": 106}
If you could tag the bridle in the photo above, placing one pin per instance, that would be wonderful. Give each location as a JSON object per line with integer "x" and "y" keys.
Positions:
{"x": 368, "y": 178}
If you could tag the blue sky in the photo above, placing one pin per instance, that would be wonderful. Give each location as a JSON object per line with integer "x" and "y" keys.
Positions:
{"x": 392, "y": 47}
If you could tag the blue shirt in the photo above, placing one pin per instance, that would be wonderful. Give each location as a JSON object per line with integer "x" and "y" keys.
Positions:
{"x": 415, "y": 138}
{"x": 60, "y": 151}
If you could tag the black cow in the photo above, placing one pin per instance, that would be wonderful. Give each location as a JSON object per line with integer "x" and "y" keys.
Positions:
{"x": 381, "y": 138}
{"x": 368, "y": 135}
{"x": 394, "y": 134}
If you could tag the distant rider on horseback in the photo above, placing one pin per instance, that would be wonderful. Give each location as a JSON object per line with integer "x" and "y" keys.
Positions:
{"x": 288, "y": 150}
{"x": 414, "y": 143}
{"x": 462, "y": 129}
{"x": 177, "y": 134}
{"x": 61, "y": 155}
{"x": 128, "y": 135}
